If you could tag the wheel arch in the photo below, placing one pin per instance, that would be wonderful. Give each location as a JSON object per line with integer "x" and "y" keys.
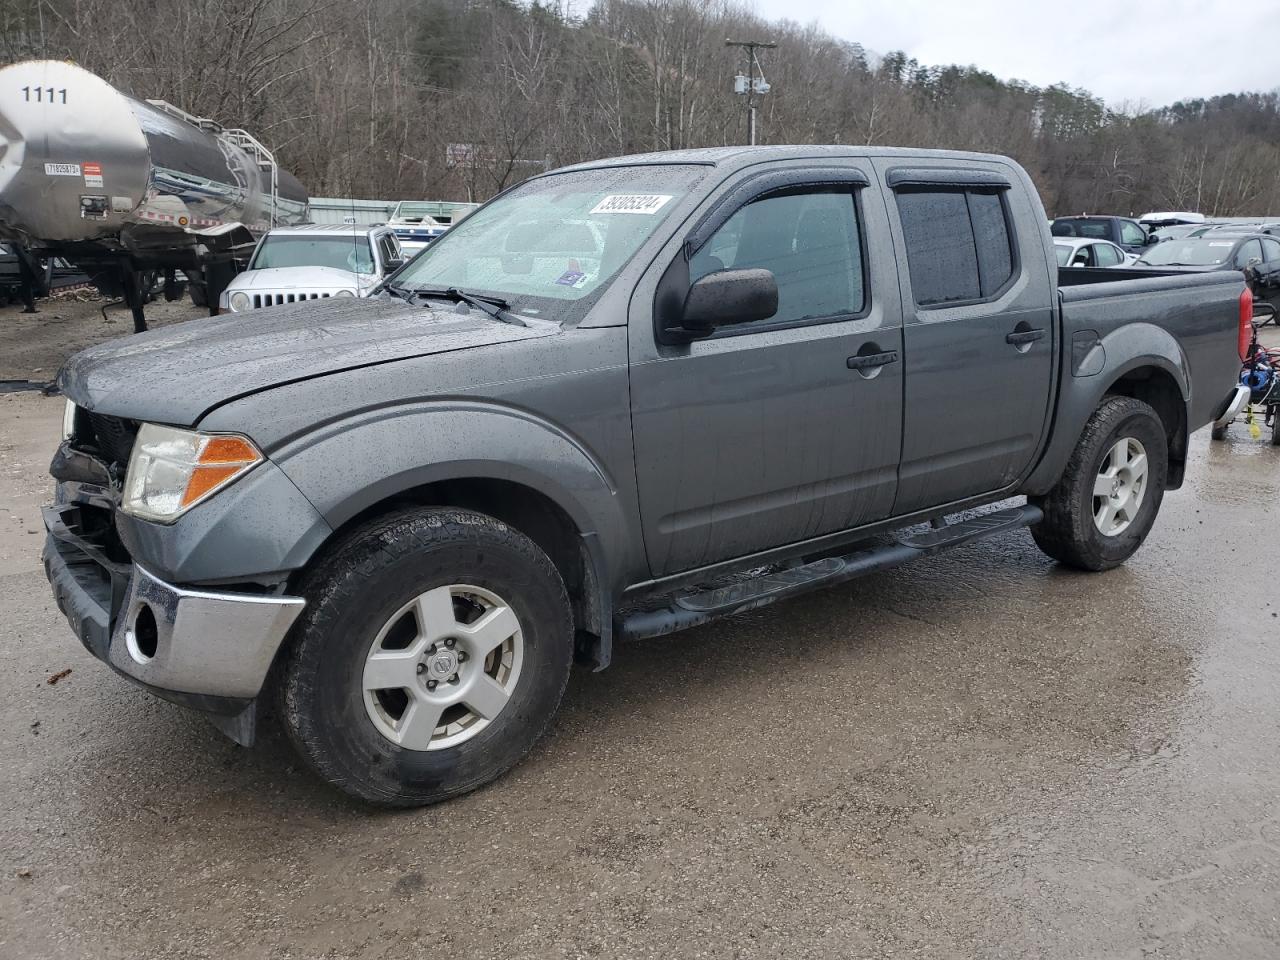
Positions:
{"x": 1156, "y": 386}
{"x": 574, "y": 552}
{"x": 1142, "y": 361}
{"x": 505, "y": 462}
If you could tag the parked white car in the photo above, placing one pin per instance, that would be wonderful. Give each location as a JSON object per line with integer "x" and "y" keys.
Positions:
{"x": 1086, "y": 252}
{"x": 313, "y": 262}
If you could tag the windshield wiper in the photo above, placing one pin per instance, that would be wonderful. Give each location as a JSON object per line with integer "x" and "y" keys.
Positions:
{"x": 405, "y": 295}
{"x": 495, "y": 307}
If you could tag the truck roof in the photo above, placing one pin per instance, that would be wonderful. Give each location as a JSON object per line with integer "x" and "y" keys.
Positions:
{"x": 740, "y": 156}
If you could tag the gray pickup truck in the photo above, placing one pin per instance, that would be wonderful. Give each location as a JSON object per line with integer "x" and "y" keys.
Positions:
{"x": 620, "y": 399}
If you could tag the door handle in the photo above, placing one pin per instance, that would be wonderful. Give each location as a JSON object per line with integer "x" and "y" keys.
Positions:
{"x": 1020, "y": 337}
{"x": 865, "y": 361}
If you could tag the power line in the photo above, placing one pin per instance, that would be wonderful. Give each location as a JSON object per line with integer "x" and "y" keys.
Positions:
{"x": 751, "y": 85}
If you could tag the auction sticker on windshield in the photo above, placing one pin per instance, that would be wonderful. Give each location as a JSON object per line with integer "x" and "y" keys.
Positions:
{"x": 644, "y": 203}
{"x": 572, "y": 278}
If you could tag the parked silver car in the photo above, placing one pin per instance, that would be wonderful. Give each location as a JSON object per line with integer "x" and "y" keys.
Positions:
{"x": 314, "y": 262}
{"x": 1083, "y": 252}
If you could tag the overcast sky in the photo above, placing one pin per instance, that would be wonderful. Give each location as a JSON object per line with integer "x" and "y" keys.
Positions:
{"x": 1157, "y": 52}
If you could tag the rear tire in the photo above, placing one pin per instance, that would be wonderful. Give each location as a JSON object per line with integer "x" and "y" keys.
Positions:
{"x": 415, "y": 739}
{"x": 1094, "y": 494}
{"x": 1275, "y": 427}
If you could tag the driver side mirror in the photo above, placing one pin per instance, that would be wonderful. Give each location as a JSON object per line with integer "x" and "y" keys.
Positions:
{"x": 727, "y": 297}
{"x": 1151, "y": 240}
{"x": 393, "y": 264}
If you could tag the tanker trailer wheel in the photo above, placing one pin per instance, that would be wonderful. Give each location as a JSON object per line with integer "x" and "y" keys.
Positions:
{"x": 173, "y": 287}
{"x": 1106, "y": 501}
{"x": 432, "y": 654}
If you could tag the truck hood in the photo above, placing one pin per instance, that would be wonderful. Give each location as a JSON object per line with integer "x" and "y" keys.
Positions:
{"x": 290, "y": 278}
{"x": 178, "y": 373}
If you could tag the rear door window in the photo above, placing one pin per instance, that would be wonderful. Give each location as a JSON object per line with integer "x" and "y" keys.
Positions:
{"x": 1108, "y": 255}
{"x": 1270, "y": 250}
{"x": 959, "y": 247}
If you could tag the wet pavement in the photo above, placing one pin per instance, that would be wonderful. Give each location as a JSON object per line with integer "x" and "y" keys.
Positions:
{"x": 982, "y": 755}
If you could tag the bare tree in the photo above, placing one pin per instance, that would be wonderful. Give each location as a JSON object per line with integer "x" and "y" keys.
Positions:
{"x": 364, "y": 97}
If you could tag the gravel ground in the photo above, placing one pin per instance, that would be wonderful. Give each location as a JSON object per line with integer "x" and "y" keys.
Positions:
{"x": 979, "y": 756}
{"x": 34, "y": 345}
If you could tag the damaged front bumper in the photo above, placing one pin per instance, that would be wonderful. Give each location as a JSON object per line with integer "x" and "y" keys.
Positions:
{"x": 210, "y": 650}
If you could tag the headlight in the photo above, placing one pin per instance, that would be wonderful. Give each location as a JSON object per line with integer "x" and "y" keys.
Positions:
{"x": 345, "y": 293}
{"x": 171, "y": 470}
{"x": 68, "y": 420}
{"x": 239, "y": 301}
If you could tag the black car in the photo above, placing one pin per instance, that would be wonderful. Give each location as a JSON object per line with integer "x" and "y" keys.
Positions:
{"x": 1218, "y": 251}
{"x": 1123, "y": 232}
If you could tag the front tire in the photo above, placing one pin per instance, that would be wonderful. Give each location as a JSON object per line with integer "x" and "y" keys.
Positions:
{"x": 1219, "y": 432}
{"x": 1106, "y": 501}
{"x": 432, "y": 654}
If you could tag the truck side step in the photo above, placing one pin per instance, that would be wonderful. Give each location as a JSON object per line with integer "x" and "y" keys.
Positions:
{"x": 975, "y": 528}
{"x": 689, "y": 609}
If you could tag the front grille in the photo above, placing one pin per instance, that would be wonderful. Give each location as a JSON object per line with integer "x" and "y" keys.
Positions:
{"x": 112, "y": 437}
{"x": 275, "y": 299}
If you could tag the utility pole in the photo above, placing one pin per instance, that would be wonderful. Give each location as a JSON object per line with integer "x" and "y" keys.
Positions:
{"x": 751, "y": 85}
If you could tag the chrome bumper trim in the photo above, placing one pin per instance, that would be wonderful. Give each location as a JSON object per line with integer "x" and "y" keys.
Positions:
{"x": 205, "y": 642}
{"x": 1238, "y": 401}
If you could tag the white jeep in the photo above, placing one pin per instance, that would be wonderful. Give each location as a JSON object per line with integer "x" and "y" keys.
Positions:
{"x": 313, "y": 262}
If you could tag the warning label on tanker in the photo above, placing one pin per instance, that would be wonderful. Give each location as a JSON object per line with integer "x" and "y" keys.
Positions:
{"x": 645, "y": 203}
{"x": 62, "y": 169}
{"x": 93, "y": 174}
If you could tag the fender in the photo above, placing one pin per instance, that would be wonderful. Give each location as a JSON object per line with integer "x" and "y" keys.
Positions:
{"x": 352, "y": 464}
{"x": 1129, "y": 347}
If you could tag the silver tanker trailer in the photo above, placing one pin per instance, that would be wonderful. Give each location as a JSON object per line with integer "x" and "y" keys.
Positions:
{"x": 129, "y": 189}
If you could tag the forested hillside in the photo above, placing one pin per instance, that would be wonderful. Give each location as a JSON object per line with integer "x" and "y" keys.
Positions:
{"x": 363, "y": 97}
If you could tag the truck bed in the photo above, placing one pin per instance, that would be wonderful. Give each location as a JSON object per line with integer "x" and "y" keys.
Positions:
{"x": 1081, "y": 276}
{"x": 1192, "y": 316}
